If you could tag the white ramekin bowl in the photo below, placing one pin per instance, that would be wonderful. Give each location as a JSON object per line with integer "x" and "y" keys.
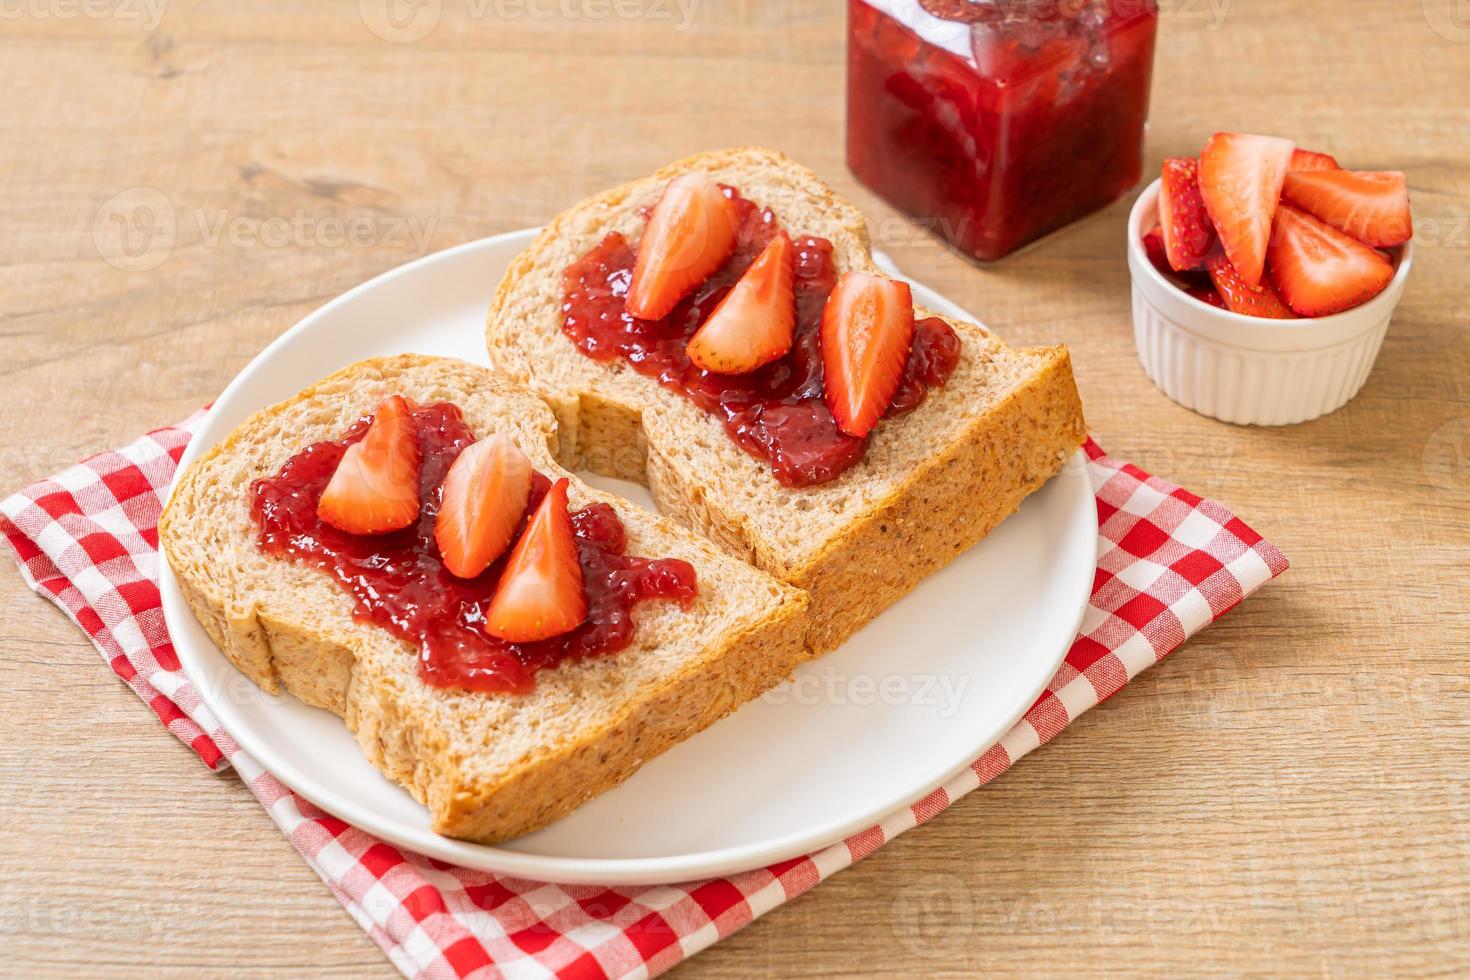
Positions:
{"x": 1249, "y": 370}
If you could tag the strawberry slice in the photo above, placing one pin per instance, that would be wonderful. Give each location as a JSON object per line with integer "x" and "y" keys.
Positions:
{"x": 1239, "y": 296}
{"x": 689, "y": 235}
{"x": 484, "y": 499}
{"x": 1306, "y": 161}
{"x": 1208, "y": 294}
{"x": 1158, "y": 255}
{"x": 1240, "y": 178}
{"x": 1318, "y": 270}
{"x": 1188, "y": 234}
{"x": 867, "y": 329}
{"x": 375, "y": 488}
{"x": 1373, "y": 207}
{"x": 540, "y": 591}
{"x": 756, "y": 321}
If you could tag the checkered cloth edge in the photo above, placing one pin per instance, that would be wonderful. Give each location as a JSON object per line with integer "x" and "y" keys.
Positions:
{"x": 1169, "y": 563}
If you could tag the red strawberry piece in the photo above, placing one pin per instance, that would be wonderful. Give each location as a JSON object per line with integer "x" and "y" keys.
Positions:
{"x": 1188, "y": 233}
{"x": 1373, "y": 207}
{"x": 484, "y": 499}
{"x": 540, "y": 591}
{"x": 375, "y": 488}
{"x": 1158, "y": 255}
{"x": 689, "y": 235}
{"x": 1304, "y": 161}
{"x": 1318, "y": 270}
{"x": 867, "y": 330}
{"x": 1240, "y": 178}
{"x": 1239, "y": 296}
{"x": 1207, "y": 294}
{"x": 756, "y": 321}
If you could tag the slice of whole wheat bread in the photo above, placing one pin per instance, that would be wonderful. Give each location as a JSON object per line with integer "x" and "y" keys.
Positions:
{"x": 487, "y": 766}
{"x": 932, "y": 484}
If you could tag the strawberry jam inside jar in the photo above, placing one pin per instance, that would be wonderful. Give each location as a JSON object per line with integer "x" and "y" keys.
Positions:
{"x": 994, "y": 122}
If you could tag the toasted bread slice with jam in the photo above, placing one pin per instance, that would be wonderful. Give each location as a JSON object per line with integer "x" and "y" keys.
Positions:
{"x": 487, "y": 766}
{"x": 931, "y": 484}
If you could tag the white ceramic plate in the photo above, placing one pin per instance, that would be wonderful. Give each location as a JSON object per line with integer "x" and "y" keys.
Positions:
{"x": 853, "y": 737}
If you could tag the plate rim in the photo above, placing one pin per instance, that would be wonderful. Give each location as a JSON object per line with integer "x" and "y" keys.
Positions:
{"x": 551, "y": 869}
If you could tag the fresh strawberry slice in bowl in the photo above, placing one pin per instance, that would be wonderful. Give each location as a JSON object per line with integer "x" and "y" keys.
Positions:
{"x": 540, "y": 593}
{"x": 1371, "y": 206}
{"x": 483, "y": 500}
{"x": 690, "y": 234}
{"x": 1239, "y": 296}
{"x": 1183, "y": 220}
{"x": 867, "y": 330}
{"x": 1158, "y": 255}
{"x": 1240, "y": 178}
{"x": 375, "y": 488}
{"x": 1307, "y": 161}
{"x": 1320, "y": 271}
{"x": 756, "y": 321}
{"x": 1208, "y": 295}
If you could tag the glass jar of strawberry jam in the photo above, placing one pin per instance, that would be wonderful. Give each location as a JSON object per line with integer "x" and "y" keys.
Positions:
{"x": 993, "y": 122}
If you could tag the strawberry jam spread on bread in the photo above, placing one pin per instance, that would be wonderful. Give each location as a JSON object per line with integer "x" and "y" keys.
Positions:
{"x": 737, "y": 327}
{"x": 546, "y": 584}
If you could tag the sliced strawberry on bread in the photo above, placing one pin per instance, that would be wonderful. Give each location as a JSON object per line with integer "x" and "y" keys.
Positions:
{"x": 1185, "y": 224}
{"x": 1373, "y": 207}
{"x": 540, "y": 593}
{"x": 1240, "y": 177}
{"x": 483, "y": 501}
{"x": 1239, "y": 296}
{"x": 689, "y": 235}
{"x": 375, "y": 488}
{"x": 867, "y": 330}
{"x": 1318, "y": 270}
{"x": 755, "y": 323}
{"x": 1307, "y": 161}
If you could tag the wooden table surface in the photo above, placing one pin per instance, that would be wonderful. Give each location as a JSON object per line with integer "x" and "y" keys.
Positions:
{"x": 1288, "y": 793}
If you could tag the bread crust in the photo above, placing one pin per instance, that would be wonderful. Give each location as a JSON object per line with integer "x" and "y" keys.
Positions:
{"x": 586, "y": 728}
{"x": 936, "y": 481}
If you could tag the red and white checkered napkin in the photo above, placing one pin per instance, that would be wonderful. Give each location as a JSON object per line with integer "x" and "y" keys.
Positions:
{"x": 1168, "y": 564}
